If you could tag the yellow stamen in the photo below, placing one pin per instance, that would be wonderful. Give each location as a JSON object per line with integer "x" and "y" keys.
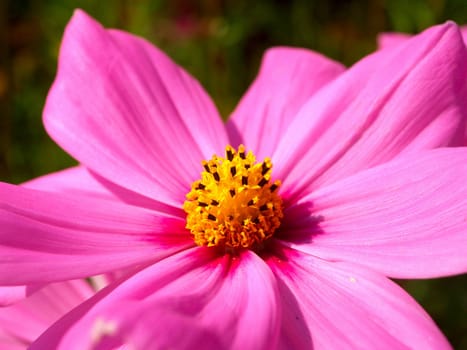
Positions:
{"x": 234, "y": 205}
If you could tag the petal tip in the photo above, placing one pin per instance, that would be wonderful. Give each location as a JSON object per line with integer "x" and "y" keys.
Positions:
{"x": 80, "y": 15}
{"x": 451, "y": 30}
{"x": 81, "y": 20}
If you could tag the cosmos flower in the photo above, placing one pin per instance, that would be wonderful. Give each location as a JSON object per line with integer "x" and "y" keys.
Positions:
{"x": 278, "y": 229}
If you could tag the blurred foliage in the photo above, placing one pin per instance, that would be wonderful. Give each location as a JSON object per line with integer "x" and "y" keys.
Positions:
{"x": 220, "y": 43}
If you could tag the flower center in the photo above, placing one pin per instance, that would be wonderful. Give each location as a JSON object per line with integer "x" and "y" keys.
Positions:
{"x": 235, "y": 204}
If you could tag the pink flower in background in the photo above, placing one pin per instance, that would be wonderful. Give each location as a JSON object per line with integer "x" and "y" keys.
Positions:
{"x": 365, "y": 181}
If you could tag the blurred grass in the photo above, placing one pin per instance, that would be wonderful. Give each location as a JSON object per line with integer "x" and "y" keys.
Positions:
{"x": 220, "y": 43}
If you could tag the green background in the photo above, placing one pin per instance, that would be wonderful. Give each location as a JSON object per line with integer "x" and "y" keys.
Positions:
{"x": 220, "y": 43}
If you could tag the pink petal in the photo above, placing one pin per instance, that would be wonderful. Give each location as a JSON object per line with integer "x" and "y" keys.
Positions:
{"x": 11, "y": 295}
{"x": 23, "y": 322}
{"x": 287, "y": 78}
{"x": 47, "y": 236}
{"x": 126, "y": 111}
{"x": 386, "y": 40}
{"x": 76, "y": 180}
{"x": 391, "y": 103}
{"x": 235, "y": 298}
{"x": 391, "y": 39}
{"x": 464, "y": 33}
{"x": 132, "y": 325}
{"x": 80, "y": 181}
{"x": 337, "y": 305}
{"x": 405, "y": 219}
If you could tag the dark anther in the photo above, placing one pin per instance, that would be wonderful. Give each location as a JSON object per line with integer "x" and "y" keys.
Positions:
{"x": 247, "y": 166}
{"x": 229, "y": 154}
{"x": 264, "y": 169}
{"x": 206, "y": 167}
{"x": 250, "y": 202}
{"x": 255, "y": 220}
{"x": 200, "y": 187}
{"x": 262, "y": 182}
{"x": 273, "y": 187}
{"x": 233, "y": 170}
{"x": 244, "y": 180}
{"x": 214, "y": 202}
{"x": 242, "y": 155}
{"x": 211, "y": 217}
{"x": 201, "y": 204}
{"x": 232, "y": 192}
{"x": 263, "y": 207}
{"x": 216, "y": 176}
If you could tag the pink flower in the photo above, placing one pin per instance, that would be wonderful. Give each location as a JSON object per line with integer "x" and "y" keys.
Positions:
{"x": 372, "y": 185}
